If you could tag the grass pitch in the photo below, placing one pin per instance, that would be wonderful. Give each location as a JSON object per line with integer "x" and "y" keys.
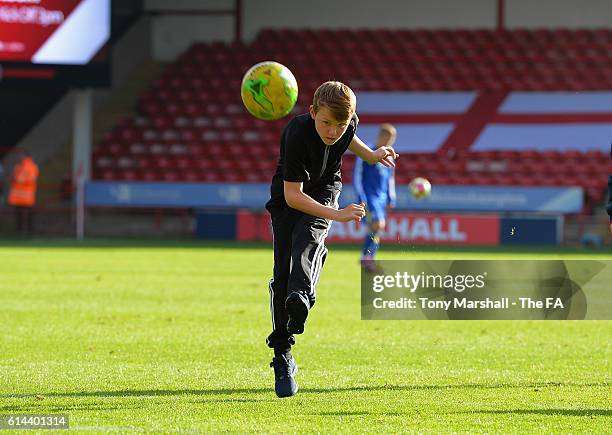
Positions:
{"x": 171, "y": 338}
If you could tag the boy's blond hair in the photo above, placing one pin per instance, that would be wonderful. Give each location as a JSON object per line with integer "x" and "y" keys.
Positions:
{"x": 337, "y": 97}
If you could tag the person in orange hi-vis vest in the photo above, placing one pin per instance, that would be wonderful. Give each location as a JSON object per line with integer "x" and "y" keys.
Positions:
{"x": 22, "y": 192}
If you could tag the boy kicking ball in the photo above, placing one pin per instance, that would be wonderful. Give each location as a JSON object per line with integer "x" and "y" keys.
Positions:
{"x": 303, "y": 202}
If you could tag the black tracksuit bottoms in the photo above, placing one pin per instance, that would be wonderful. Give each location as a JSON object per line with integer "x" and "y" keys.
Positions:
{"x": 299, "y": 255}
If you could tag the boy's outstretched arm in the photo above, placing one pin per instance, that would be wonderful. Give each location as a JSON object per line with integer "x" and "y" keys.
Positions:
{"x": 297, "y": 199}
{"x": 384, "y": 155}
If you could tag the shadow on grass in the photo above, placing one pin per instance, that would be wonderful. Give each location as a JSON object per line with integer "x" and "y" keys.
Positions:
{"x": 129, "y": 243}
{"x": 55, "y": 408}
{"x": 247, "y": 391}
{"x": 144, "y": 393}
{"x": 552, "y": 411}
{"x": 547, "y": 412}
{"x": 43, "y": 406}
{"x": 345, "y": 413}
{"x": 212, "y": 244}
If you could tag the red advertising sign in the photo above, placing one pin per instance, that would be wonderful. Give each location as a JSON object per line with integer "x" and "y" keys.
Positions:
{"x": 403, "y": 228}
{"x": 425, "y": 229}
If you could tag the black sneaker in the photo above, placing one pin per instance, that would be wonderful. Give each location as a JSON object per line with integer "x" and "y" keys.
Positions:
{"x": 285, "y": 369}
{"x": 297, "y": 308}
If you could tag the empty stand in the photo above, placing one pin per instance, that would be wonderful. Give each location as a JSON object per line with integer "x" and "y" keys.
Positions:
{"x": 191, "y": 124}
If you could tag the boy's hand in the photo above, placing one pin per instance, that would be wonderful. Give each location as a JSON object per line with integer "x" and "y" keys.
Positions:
{"x": 386, "y": 156}
{"x": 611, "y": 227}
{"x": 353, "y": 212}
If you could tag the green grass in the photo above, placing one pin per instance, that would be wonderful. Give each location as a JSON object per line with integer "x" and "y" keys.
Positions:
{"x": 170, "y": 337}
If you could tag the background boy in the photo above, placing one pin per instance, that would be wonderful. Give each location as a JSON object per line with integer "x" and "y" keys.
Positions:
{"x": 375, "y": 186}
{"x": 303, "y": 202}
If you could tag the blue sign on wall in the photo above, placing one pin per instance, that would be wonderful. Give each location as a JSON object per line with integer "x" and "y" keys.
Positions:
{"x": 487, "y": 198}
{"x": 216, "y": 226}
{"x": 254, "y": 195}
{"x": 530, "y": 231}
{"x": 139, "y": 194}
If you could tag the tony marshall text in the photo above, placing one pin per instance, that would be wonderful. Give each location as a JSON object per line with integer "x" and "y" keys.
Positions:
{"x": 457, "y": 303}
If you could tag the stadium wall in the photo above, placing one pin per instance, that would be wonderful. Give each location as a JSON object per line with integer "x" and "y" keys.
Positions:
{"x": 319, "y": 14}
{"x": 559, "y": 13}
{"x": 177, "y": 24}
